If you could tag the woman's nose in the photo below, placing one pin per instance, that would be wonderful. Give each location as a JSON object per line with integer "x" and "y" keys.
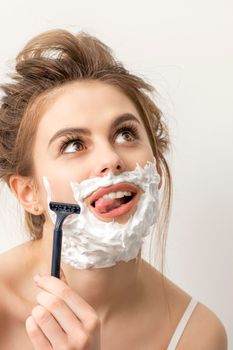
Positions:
{"x": 107, "y": 161}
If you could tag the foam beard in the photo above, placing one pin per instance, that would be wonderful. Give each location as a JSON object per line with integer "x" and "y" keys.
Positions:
{"x": 89, "y": 242}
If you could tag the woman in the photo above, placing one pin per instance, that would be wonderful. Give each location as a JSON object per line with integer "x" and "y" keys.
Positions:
{"x": 74, "y": 116}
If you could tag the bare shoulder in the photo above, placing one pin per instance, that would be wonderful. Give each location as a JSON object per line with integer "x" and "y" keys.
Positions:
{"x": 10, "y": 270}
{"x": 6, "y": 268}
{"x": 11, "y": 263}
{"x": 204, "y": 331}
{"x": 16, "y": 260}
{"x": 16, "y": 296}
{"x": 15, "y": 268}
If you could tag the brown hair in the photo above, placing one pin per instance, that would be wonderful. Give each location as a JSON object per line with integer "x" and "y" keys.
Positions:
{"x": 49, "y": 61}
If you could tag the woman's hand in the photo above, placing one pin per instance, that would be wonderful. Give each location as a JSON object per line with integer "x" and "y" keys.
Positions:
{"x": 62, "y": 320}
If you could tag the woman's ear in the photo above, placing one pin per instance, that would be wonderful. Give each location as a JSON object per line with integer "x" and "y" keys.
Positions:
{"x": 25, "y": 191}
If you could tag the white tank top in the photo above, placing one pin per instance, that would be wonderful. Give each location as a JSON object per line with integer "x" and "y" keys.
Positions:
{"x": 181, "y": 325}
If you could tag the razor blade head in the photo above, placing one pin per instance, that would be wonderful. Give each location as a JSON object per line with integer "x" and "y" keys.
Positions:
{"x": 67, "y": 208}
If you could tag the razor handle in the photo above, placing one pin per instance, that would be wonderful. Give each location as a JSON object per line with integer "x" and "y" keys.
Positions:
{"x": 56, "y": 255}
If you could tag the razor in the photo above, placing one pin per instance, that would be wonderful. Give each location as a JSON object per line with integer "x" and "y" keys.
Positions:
{"x": 62, "y": 210}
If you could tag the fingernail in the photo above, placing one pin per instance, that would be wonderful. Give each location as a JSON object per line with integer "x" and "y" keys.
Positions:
{"x": 36, "y": 278}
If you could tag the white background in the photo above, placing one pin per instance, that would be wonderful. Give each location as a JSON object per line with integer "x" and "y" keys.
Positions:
{"x": 184, "y": 48}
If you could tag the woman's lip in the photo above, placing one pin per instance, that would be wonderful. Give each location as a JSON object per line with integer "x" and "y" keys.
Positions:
{"x": 123, "y": 209}
{"x": 122, "y": 186}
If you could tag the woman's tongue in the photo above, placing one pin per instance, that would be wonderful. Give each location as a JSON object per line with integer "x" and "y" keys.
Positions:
{"x": 104, "y": 205}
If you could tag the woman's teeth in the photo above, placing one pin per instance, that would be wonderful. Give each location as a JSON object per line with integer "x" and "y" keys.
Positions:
{"x": 112, "y": 200}
{"x": 118, "y": 194}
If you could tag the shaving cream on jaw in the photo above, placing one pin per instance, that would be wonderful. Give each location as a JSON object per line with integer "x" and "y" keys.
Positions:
{"x": 89, "y": 242}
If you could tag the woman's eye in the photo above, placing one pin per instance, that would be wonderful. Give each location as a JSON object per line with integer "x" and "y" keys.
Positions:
{"x": 127, "y": 133}
{"x": 125, "y": 136}
{"x": 72, "y": 146}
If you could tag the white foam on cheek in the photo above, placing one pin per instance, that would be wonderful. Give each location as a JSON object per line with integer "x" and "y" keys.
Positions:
{"x": 52, "y": 214}
{"x": 91, "y": 242}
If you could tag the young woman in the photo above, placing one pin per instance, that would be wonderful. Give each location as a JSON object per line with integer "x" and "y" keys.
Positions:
{"x": 77, "y": 127}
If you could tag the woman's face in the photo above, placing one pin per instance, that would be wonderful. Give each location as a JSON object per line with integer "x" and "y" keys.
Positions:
{"x": 64, "y": 155}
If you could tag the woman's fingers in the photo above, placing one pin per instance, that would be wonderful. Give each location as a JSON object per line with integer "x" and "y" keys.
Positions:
{"x": 62, "y": 319}
{"x": 37, "y": 337}
{"x": 50, "y": 327}
{"x": 84, "y": 312}
{"x": 61, "y": 312}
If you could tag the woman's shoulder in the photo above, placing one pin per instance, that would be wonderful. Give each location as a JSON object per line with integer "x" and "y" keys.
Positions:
{"x": 13, "y": 263}
{"x": 10, "y": 265}
{"x": 15, "y": 272}
{"x": 15, "y": 305}
{"x": 204, "y": 329}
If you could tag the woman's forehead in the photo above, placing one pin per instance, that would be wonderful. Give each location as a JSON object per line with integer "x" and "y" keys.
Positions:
{"x": 85, "y": 94}
{"x": 83, "y": 103}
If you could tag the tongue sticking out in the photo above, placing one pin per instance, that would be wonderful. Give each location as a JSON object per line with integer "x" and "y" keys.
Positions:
{"x": 104, "y": 205}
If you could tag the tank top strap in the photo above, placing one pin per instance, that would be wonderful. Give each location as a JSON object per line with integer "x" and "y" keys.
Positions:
{"x": 182, "y": 324}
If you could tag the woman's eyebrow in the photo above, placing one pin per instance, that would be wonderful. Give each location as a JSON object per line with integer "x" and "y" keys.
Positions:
{"x": 84, "y": 131}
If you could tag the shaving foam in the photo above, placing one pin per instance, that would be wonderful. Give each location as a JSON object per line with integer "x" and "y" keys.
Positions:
{"x": 89, "y": 242}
